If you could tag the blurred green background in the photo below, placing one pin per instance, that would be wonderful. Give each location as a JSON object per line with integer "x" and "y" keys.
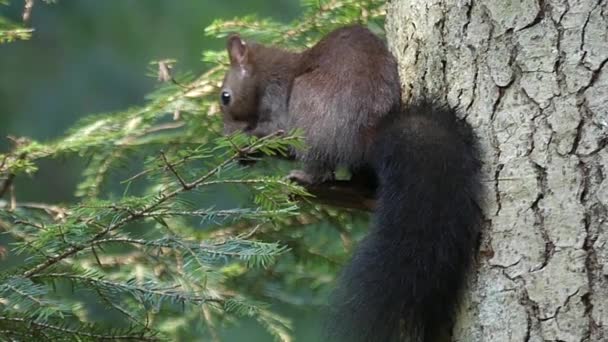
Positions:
{"x": 92, "y": 56}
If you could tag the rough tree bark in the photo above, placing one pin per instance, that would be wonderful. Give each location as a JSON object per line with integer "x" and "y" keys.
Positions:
{"x": 531, "y": 77}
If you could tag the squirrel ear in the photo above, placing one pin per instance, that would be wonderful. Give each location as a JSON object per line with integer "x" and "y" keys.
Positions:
{"x": 237, "y": 50}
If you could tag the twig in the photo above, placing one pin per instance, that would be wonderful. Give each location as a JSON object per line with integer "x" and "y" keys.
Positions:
{"x": 246, "y": 236}
{"x": 212, "y": 328}
{"x": 129, "y": 140}
{"x": 3, "y": 162}
{"x": 184, "y": 184}
{"x": 27, "y": 10}
{"x": 211, "y": 212}
{"x": 24, "y": 294}
{"x": 124, "y": 312}
{"x": 162, "y": 127}
{"x": 31, "y": 224}
{"x": 58, "y": 212}
{"x": 144, "y": 172}
{"x": 7, "y": 184}
{"x": 344, "y": 194}
{"x": 80, "y": 332}
{"x": 13, "y": 197}
{"x": 157, "y": 291}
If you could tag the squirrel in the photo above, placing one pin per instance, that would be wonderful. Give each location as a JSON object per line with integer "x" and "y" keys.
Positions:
{"x": 404, "y": 279}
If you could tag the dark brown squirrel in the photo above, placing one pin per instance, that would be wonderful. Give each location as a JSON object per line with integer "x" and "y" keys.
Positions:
{"x": 336, "y": 92}
{"x": 344, "y": 94}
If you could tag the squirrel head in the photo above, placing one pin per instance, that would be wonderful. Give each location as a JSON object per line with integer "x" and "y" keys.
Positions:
{"x": 238, "y": 96}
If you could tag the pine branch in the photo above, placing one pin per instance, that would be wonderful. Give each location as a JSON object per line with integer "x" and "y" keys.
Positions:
{"x": 132, "y": 288}
{"x": 144, "y": 275}
{"x": 257, "y": 253}
{"x": 76, "y": 332}
{"x": 160, "y": 199}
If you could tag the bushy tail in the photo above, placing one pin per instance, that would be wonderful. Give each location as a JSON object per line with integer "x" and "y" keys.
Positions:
{"x": 405, "y": 276}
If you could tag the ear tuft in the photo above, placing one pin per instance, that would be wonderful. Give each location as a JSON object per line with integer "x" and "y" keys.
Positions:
{"x": 237, "y": 49}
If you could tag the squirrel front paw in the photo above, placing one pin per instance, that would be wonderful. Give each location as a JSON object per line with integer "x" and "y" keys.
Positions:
{"x": 300, "y": 177}
{"x": 304, "y": 178}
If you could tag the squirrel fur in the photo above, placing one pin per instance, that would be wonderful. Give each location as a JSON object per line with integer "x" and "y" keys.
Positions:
{"x": 404, "y": 279}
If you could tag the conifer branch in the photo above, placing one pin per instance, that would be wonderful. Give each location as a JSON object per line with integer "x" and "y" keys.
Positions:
{"x": 160, "y": 199}
{"x": 170, "y": 261}
{"x": 76, "y": 332}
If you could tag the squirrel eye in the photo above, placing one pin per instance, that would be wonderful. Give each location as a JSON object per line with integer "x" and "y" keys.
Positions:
{"x": 225, "y": 97}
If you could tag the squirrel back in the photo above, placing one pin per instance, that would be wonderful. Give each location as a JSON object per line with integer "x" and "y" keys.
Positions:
{"x": 351, "y": 82}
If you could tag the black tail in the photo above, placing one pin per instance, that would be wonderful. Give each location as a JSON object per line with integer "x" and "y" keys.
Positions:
{"x": 405, "y": 277}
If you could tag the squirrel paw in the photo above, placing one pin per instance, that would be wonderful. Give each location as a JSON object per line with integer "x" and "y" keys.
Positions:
{"x": 306, "y": 178}
{"x": 300, "y": 177}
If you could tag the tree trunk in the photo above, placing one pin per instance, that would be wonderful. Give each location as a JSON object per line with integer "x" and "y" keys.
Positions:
{"x": 531, "y": 77}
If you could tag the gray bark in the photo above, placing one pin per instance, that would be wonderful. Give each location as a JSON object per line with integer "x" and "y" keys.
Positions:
{"x": 531, "y": 77}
